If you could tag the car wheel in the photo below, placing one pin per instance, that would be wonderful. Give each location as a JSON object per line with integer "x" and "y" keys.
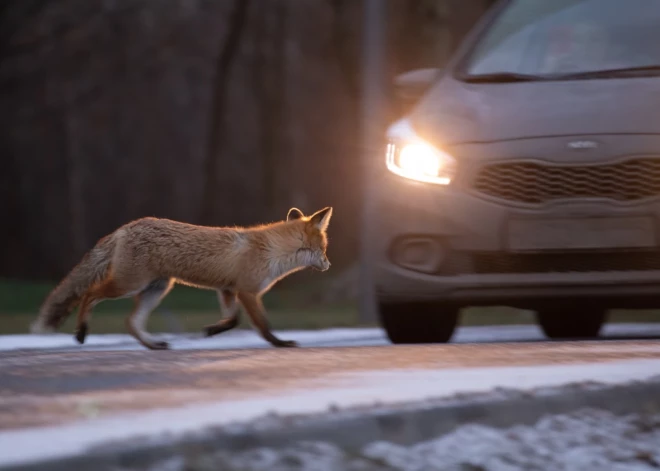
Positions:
{"x": 576, "y": 321}
{"x": 418, "y": 322}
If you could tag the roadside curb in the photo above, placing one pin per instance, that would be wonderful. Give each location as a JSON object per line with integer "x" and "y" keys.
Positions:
{"x": 352, "y": 429}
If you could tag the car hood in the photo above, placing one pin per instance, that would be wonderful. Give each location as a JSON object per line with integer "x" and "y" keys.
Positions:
{"x": 454, "y": 112}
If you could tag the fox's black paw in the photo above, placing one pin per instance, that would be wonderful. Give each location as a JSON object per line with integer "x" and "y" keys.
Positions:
{"x": 220, "y": 327}
{"x": 213, "y": 329}
{"x": 81, "y": 333}
{"x": 160, "y": 345}
{"x": 286, "y": 344}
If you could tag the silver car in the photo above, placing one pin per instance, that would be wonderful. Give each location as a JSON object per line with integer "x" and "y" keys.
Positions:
{"x": 526, "y": 174}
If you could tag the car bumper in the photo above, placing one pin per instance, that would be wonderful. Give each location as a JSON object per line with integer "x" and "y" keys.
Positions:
{"x": 434, "y": 243}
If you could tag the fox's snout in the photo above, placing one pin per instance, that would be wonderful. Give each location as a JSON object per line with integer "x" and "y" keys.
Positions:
{"x": 321, "y": 264}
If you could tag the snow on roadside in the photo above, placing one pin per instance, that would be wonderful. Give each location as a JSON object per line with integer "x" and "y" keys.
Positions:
{"x": 53, "y": 341}
{"x": 248, "y": 338}
{"x": 339, "y": 337}
{"x": 586, "y": 440}
{"x": 229, "y": 340}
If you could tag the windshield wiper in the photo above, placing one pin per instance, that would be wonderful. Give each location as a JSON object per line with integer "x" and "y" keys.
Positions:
{"x": 620, "y": 72}
{"x": 503, "y": 77}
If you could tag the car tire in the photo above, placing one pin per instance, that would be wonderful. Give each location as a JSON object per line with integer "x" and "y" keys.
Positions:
{"x": 418, "y": 322}
{"x": 563, "y": 322}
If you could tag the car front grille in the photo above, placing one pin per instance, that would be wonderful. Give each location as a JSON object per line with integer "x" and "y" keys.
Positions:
{"x": 509, "y": 263}
{"x": 538, "y": 183}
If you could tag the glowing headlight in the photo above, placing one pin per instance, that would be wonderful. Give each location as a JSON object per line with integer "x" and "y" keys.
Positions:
{"x": 411, "y": 157}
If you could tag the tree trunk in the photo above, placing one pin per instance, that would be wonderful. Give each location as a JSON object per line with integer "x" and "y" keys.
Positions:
{"x": 228, "y": 50}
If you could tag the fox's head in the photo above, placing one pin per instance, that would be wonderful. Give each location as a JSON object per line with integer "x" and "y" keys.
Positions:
{"x": 314, "y": 241}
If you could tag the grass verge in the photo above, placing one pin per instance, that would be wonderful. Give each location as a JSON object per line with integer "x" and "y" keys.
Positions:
{"x": 188, "y": 310}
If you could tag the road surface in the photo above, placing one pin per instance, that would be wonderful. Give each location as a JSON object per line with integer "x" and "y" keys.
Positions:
{"x": 65, "y": 396}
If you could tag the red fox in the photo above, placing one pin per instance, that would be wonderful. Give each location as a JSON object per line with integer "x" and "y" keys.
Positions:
{"x": 144, "y": 258}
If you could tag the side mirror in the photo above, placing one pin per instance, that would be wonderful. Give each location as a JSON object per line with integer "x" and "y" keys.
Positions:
{"x": 409, "y": 87}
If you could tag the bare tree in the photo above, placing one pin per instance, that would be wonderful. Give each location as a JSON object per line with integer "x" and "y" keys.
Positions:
{"x": 270, "y": 61}
{"x": 228, "y": 50}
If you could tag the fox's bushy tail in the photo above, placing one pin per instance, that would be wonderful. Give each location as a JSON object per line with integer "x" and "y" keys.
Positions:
{"x": 59, "y": 304}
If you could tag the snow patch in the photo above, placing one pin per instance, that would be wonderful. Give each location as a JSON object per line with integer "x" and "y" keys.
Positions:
{"x": 236, "y": 339}
{"x": 248, "y": 338}
{"x": 584, "y": 440}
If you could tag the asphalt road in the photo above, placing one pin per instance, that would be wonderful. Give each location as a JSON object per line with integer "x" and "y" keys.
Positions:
{"x": 67, "y": 397}
{"x": 51, "y": 386}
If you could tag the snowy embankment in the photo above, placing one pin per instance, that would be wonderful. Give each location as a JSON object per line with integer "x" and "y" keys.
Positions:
{"x": 586, "y": 440}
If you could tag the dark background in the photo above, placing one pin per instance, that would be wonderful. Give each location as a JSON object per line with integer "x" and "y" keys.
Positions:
{"x": 206, "y": 111}
{"x": 215, "y": 112}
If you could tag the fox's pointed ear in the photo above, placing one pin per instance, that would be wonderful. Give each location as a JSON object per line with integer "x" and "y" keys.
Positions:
{"x": 321, "y": 218}
{"x": 294, "y": 213}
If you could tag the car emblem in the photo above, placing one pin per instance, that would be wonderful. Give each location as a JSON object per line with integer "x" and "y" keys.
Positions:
{"x": 581, "y": 145}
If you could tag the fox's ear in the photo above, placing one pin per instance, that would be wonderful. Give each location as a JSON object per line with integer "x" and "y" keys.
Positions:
{"x": 321, "y": 218}
{"x": 294, "y": 213}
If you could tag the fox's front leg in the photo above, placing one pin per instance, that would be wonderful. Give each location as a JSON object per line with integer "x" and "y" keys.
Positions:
{"x": 255, "y": 310}
{"x": 230, "y": 311}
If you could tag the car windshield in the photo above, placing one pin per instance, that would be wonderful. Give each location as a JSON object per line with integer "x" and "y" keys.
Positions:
{"x": 560, "y": 38}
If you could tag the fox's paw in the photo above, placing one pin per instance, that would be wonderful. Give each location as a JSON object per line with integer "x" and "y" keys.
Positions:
{"x": 286, "y": 344}
{"x": 158, "y": 345}
{"x": 81, "y": 333}
{"x": 215, "y": 329}
{"x": 209, "y": 331}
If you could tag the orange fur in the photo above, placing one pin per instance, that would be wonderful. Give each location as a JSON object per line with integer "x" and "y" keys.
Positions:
{"x": 144, "y": 258}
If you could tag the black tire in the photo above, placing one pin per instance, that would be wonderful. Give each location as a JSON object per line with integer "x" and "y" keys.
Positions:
{"x": 571, "y": 321}
{"x": 418, "y": 322}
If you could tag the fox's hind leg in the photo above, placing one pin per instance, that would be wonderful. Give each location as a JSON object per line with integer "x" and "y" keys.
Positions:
{"x": 105, "y": 290}
{"x": 230, "y": 313}
{"x": 255, "y": 310}
{"x": 81, "y": 322}
{"x": 145, "y": 302}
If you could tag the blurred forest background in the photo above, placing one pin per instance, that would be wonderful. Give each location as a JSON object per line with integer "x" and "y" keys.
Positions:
{"x": 218, "y": 112}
